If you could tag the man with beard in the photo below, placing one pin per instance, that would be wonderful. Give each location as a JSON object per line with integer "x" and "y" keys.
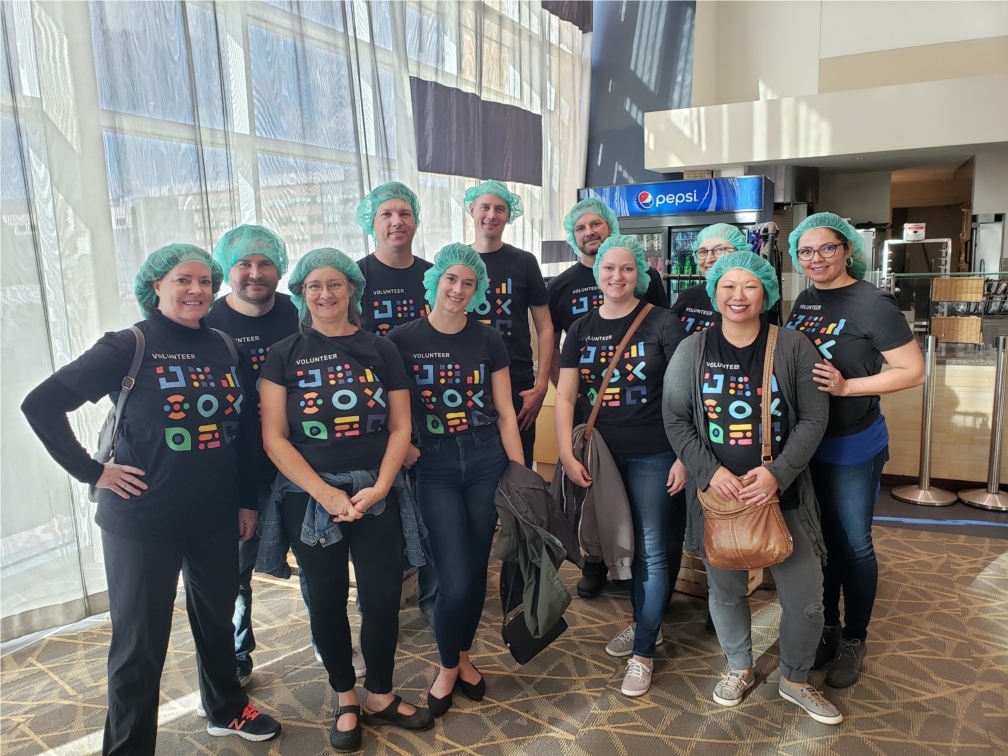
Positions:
{"x": 255, "y": 317}
{"x": 575, "y": 293}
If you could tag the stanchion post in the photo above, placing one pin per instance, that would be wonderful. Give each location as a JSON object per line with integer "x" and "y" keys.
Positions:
{"x": 923, "y": 493}
{"x": 993, "y": 497}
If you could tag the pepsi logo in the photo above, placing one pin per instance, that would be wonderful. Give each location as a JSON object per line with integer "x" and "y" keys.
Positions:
{"x": 645, "y": 200}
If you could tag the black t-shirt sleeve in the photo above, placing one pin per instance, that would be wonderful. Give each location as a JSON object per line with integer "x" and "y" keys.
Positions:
{"x": 274, "y": 369}
{"x": 889, "y": 328}
{"x": 101, "y": 369}
{"x": 394, "y": 374}
{"x": 537, "y": 295}
{"x": 571, "y": 354}
{"x": 46, "y": 409}
{"x": 672, "y": 334}
{"x": 552, "y": 293}
{"x": 499, "y": 357}
{"x": 656, "y": 293}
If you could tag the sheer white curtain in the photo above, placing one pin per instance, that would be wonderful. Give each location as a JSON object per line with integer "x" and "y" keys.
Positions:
{"x": 127, "y": 125}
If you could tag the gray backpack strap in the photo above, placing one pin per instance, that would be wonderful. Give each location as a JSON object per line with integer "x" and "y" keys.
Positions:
{"x": 128, "y": 381}
{"x": 230, "y": 345}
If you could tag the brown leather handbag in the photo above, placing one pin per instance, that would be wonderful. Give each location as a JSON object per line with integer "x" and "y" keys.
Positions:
{"x": 742, "y": 535}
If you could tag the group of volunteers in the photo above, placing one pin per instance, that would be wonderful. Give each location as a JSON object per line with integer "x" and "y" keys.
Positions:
{"x": 370, "y": 414}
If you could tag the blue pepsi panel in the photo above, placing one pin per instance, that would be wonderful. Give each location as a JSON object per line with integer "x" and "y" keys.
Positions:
{"x": 720, "y": 195}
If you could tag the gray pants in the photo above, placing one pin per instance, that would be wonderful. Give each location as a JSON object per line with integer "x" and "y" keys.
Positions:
{"x": 800, "y": 591}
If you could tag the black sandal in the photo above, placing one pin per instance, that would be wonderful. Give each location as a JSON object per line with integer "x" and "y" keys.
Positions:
{"x": 348, "y": 741}
{"x": 420, "y": 720}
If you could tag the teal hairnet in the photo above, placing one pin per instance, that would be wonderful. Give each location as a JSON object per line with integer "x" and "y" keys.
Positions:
{"x": 326, "y": 257}
{"x": 248, "y": 240}
{"x": 457, "y": 254}
{"x": 756, "y": 265}
{"x": 368, "y": 207}
{"x": 857, "y": 266}
{"x": 633, "y": 246}
{"x": 160, "y": 261}
{"x": 590, "y": 205}
{"x": 725, "y": 231}
{"x": 494, "y": 187}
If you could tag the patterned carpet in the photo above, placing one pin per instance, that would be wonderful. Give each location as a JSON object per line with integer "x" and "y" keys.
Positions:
{"x": 936, "y": 679}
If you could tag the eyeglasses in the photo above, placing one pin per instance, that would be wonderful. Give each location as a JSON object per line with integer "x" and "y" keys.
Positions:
{"x": 826, "y": 251}
{"x": 316, "y": 288}
{"x": 716, "y": 251}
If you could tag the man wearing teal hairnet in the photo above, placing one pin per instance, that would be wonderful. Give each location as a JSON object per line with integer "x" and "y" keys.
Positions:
{"x": 516, "y": 289}
{"x": 255, "y": 316}
{"x": 575, "y": 293}
{"x": 394, "y": 292}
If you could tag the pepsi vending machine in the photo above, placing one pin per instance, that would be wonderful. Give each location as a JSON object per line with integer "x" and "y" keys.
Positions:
{"x": 667, "y": 216}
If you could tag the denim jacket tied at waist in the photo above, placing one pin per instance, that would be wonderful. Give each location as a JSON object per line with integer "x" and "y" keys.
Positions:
{"x": 318, "y": 526}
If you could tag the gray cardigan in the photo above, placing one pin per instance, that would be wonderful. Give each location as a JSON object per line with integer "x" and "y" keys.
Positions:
{"x": 808, "y": 412}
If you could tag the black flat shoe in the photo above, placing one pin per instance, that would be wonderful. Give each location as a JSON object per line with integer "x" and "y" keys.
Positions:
{"x": 421, "y": 719}
{"x": 438, "y": 706}
{"x": 348, "y": 741}
{"x": 474, "y": 692}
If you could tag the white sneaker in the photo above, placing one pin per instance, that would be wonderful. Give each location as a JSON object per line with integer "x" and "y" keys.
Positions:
{"x": 200, "y": 711}
{"x": 359, "y": 668}
{"x": 637, "y": 680}
{"x": 622, "y": 644}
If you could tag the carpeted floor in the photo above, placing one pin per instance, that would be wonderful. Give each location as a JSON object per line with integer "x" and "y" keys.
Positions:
{"x": 936, "y": 678}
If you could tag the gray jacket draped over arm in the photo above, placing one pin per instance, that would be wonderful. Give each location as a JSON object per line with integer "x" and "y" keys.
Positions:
{"x": 808, "y": 412}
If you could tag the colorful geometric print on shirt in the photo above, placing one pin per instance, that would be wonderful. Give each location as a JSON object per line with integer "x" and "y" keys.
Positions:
{"x": 574, "y": 293}
{"x": 392, "y": 296}
{"x": 630, "y": 414}
{"x": 451, "y": 387}
{"x": 851, "y": 327}
{"x": 337, "y": 396}
{"x": 202, "y": 407}
{"x": 694, "y": 309}
{"x": 732, "y": 392}
{"x": 516, "y": 283}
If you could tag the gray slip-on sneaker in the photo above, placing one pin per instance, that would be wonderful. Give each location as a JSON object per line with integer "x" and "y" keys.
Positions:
{"x": 731, "y": 688}
{"x": 814, "y": 703}
{"x": 622, "y": 644}
{"x": 637, "y": 680}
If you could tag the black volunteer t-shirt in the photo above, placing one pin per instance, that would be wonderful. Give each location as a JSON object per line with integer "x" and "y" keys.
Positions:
{"x": 185, "y": 424}
{"x": 694, "y": 309}
{"x": 732, "y": 391}
{"x": 392, "y": 296}
{"x": 451, "y": 391}
{"x": 516, "y": 283}
{"x": 630, "y": 418}
{"x": 574, "y": 293}
{"x": 253, "y": 337}
{"x": 337, "y": 396}
{"x": 851, "y": 327}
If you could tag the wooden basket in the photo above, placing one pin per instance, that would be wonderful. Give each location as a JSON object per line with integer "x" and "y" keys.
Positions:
{"x": 963, "y": 330}
{"x": 957, "y": 289}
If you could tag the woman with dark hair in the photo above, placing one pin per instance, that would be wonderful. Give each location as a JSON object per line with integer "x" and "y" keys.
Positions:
{"x": 855, "y": 326}
{"x": 169, "y": 497}
{"x": 336, "y": 423}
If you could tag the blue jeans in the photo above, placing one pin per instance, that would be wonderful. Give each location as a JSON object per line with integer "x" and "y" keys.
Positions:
{"x": 651, "y": 507}
{"x": 456, "y": 480}
{"x": 847, "y": 496}
{"x": 248, "y": 553}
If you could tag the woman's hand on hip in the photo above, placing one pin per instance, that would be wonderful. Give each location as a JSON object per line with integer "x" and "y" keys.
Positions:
{"x": 762, "y": 488}
{"x": 338, "y": 504}
{"x": 366, "y": 498}
{"x": 676, "y": 478}
{"x": 576, "y": 472}
{"x": 122, "y": 480}
{"x": 829, "y": 379}
{"x": 726, "y": 484}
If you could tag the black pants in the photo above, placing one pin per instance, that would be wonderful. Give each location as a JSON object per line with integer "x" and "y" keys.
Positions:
{"x": 376, "y": 543}
{"x": 142, "y": 583}
{"x": 527, "y": 436}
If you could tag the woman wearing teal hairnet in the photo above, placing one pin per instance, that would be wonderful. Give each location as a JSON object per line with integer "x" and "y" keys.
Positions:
{"x": 629, "y": 424}
{"x": 462, "y": 409}
{"x": 693, "y": 306}
{"x": 855, "y": 326}
{"x": 714, "y": 392}
{"x": 170, "y": 495}
{"x": 336, "y": 422}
